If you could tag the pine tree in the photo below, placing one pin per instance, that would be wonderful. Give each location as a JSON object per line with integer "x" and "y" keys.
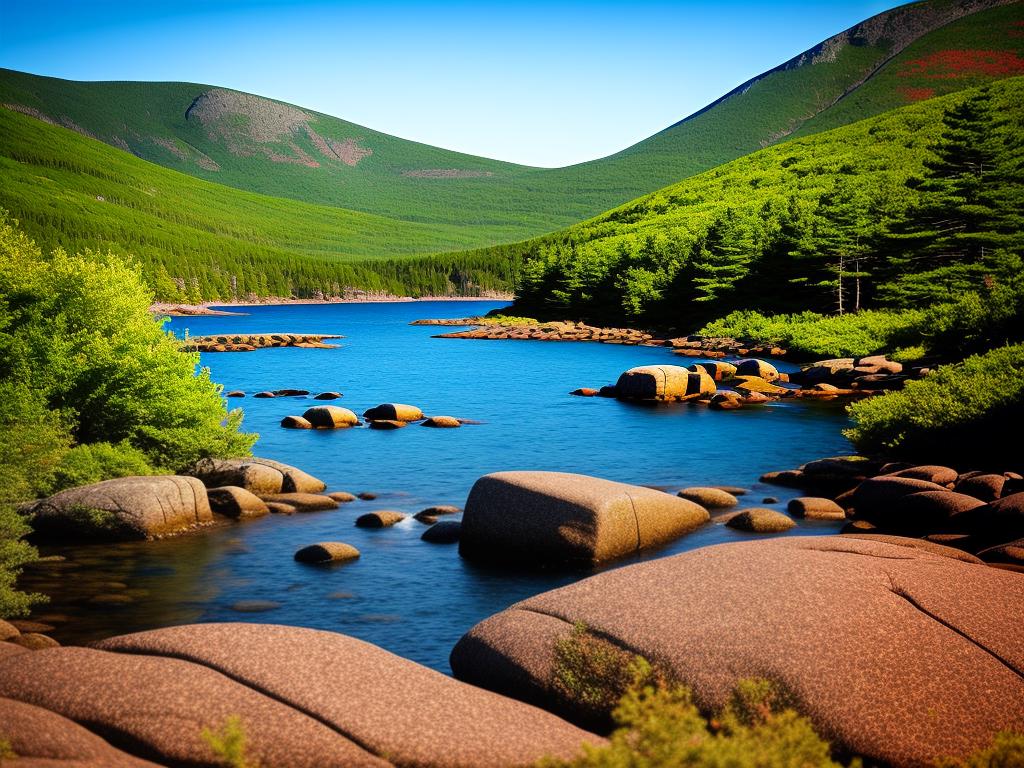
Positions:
{"x": 720, "y": 257}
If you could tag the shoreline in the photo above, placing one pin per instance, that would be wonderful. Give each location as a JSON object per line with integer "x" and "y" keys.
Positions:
{"x": 176, "y": 309}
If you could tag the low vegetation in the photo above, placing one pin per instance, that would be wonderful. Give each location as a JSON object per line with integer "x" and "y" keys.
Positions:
{"x": 228, "y": 744}
{"x": 91, "y": 386}
{"x": 965, "y": 414}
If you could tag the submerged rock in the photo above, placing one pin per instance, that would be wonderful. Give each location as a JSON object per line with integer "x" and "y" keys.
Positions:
{"x": 710, "y": 498}
{"x": 393, "y": 412}
{"x": 304, "y": 502}
{"x": 446, "y": 532}
{"x": 327, "y": 552}
{"x": 380, "y": 519}
{"x": 330, "y": 417}
{"x": 328, "y": 396}
{"x": 442, "y": 422}
{"x": 387, "y": 424}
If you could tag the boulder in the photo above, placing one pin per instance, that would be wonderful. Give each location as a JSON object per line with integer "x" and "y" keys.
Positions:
{"x": 43, "y": 739}
{"x": 291, "y": 392}
{"x": 259, "y": 476}
{"x": 815, "y": 508}
{"x": 303, "y": 502}
{"x": 327, "y": 396}
{"x": 607, "y": 391}
{"x": 387, "y": 424}
{"x": 437, "y": 511}
{"x": 280, "y": 508}
{"x": 925, "y": 512}
{"x": 717, "y": 370}
{"x": 883, "y": 645}
{"x": 327, "y": 552}
{"x": 556, "y": 518}
{"x": 264, "y": 395}
{"x": 235, "y": 393}
{"x": 1009, "y": 555}
{"x": 330, "y": 417}
{"x": 341, "y": 497}
{"x": 878, "y": 364}
{"x": 232, "y": 501}
{"x": 384, "y": 518}
{"x": 34, "y": 641}
{"x": 393, "y": 412}
{"x": 930, "y": 472}
{"x": 987, "y": 487}
{"x": 381, "y": 705}
{"x": 296, "y": 422}
{"x": 122, "y": 509}
{"x": 366, "y": 496}
{"x": 446, "y": 532}
{"x": 875, "y": 498}
{"x": 663, "y": 382}
{"x": 442, "y": 422}
{"x": 758, "y": 368}
{"x": 998, "y": 521}
{"x": 584, "y": 392}
{"x": 727, "y": 400}
{"x": 760, "y": 520}
{"x": 709, "y": 498}
{"x": 8, "y": 630}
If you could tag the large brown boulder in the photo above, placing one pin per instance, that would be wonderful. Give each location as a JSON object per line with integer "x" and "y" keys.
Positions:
{"x": 259, "y": 476}
{"x": 1000, "y": 520}
{"x": 556, "y": 518}
{"x": 41, "y": 738}
{"x": 327, "y": 552}
{"x": 330, "y": 417}
{"x": 877, "y": 497}
{"x": 987, "y": 487}
{"x": 122, "y": 509}
{"x": 304, "y": 502}
{"x": 931, "y": 472}
{"x": 1009, "y": 555}
{"x": 357, "y": 693}
{"x": 816, "y": 508}
{"x": 896, "y": 653}
{"x": 393, "y": 412}
{"x": 759, "y": 368}
{"x": 760, "y": 520}
{"x": 232, "y": 501}
{"x": 709, "y": 498}
{"x": 663, "y": 382}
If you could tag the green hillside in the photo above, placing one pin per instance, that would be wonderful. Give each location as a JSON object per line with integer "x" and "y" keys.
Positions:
{"x": 862, "y": 214}
{"x": 277, "y": 149}
{"x": 198, "y": 240}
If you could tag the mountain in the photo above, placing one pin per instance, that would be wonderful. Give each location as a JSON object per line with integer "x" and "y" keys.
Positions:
{"x": 890, "y": 211}
{"x": 273, "y": 148}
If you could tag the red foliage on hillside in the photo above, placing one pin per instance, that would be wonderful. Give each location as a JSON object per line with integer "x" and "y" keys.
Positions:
{"x": 917, "y": 94}
{"x": 949, "y": 64}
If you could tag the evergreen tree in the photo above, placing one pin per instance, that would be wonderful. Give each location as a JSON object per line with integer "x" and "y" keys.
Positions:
{"x": 720, "y": 257}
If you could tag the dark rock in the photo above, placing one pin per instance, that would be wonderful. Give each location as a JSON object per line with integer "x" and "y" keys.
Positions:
{"x": 280, "y": 508}
{"x": 341, "y": 497}
{"x": 1010, "y": 555}
{"x": 295, "y": 422}
{"x": 876, "y": 498}
{"x": 328, "y": 396}
{"x": 987, "y": 487}
{"x": 815, "y": 508}
{"x": 366, "y": 496}
{"x": 34, "y": 641}
{"x": 393, "y": 412}
{"x": 446, "y": 532}
{"x": 664, "y": 383}
{"x": 442, "y": 422}
{"x": 584, "y": 392}
{"x": 330, "y": 417}
{"x": 998, "y": 521}
{"x": 291, "y": 392}
{"x": 930, "y": 472}
{"x": 758, "y": 368}
{"x": 386, "y": 424}
{"x": 264, "y": 395}
{"x": 607, "y": 392}
{"x": 436, "y": 512}
{"x": 235, "y": 393}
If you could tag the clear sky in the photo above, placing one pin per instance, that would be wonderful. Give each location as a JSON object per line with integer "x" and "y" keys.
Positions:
{"x": 537, "y": 83}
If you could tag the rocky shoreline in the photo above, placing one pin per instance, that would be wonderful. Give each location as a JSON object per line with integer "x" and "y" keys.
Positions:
{"x": 248, "y": 342}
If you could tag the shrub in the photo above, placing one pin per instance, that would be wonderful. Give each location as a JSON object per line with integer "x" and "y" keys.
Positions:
{"x": 228, "y": 743}
{"x": 1006, "y": 751}
{"x": 85, "y": 464}
{"x": 966, "y": 413}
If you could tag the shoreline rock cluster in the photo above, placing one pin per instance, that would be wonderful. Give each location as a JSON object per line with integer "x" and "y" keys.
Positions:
{"x": 248, "y": 342}
{"x": 386, "y": 416}
{"x": 977, "y": 512}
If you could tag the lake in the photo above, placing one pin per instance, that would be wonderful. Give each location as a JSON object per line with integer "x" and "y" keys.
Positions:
{"x": 410, "y": 597}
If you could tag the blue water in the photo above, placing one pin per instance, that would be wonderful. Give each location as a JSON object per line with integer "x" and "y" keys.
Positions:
{"x": 413, "y": 598}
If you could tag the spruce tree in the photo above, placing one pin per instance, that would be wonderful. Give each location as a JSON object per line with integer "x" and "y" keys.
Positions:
{"x": 720, "y": 257}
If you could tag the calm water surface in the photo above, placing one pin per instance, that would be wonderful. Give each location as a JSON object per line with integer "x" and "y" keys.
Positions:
{"x": 413, "y": 598}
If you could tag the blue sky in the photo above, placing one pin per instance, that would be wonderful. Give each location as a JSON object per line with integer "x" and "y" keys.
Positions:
{"x": 538, "y": 83}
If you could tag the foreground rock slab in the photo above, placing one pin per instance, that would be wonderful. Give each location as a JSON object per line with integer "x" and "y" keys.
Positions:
{"x": 123, "y": 509}
{"x": 262, "y": 477}
{"x": 304, "y": 697}
{"x": 557, "y": 518}
{"x": 895, "y": 652}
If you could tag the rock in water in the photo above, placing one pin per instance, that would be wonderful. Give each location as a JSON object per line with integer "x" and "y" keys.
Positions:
{"x": 394, "y": 412}
{"x": 295, "y": 422}
{"x": 327, "y": 552}
{"x": 259, "y": 476}
{"x": 381, "y": 519}
{"x": 232, "y": 501}
{"x": 328, "y": 396}
{"x": 123, "y": 508}
{"x": 709, "y": 498}
{"x": 387, "y": 424}
{"x": 442, "y": 422}
{"x": 304, "y": 502}
{"x": 663, "y": 382}
{"x": 446, "y": 532}
{"x": 330, "y": 417}
{"x": 884, "y": 644}
{"x": 760, "y": 520}
{"x": 556, "y": 518}
{"x": 816, "y": 508}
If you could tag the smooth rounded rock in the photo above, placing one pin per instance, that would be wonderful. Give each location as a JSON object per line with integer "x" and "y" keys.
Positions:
{"x": 235, "y": 393}
{"x": 366, "y": 496}
{"x": 663, "y": 383}
{"x": 393, "y": 412}
{"x": 437, "y": 511}
{"x": 875, "y": 498}
{"x": 330, "y": 417}
{"x": 296, "y": 422}
{"x": 327, "y": 552}
{"x": 445, "y": 532}
{"x": 280, "y": 508}
{"x": 380, "y": 519}
{"x": 264, "y": 395}
{"x": 760, "y": 520}
{"x": 8, "y": 630}
{"x": 34, "y": 641}
{"x": 759, "y": 368}
{"x": 584, "y": 392}
{"x": 987, "y": 487}
{"x": 260, "y": 476}
{"x": 342, "y": 497}
{"x": 815, "y": 508}
{"x": 708, "y": 497}
{"x": 232, "y": 501}
{"x": 442, "y": 422}
{"x": 933, "y": 473}
{"x": 327, "y": 396}
{"x": 304, "y": 502}
{"x": 386, "y": 424}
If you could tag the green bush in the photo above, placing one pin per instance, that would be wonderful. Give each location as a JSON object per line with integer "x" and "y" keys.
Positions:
{"x": 1006, "y": 751}
{"x": 967, "y": 413}
{"x": 809, "y": 334}
{"x": 85, "y": 464}
{"x": 228, "y": 743}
